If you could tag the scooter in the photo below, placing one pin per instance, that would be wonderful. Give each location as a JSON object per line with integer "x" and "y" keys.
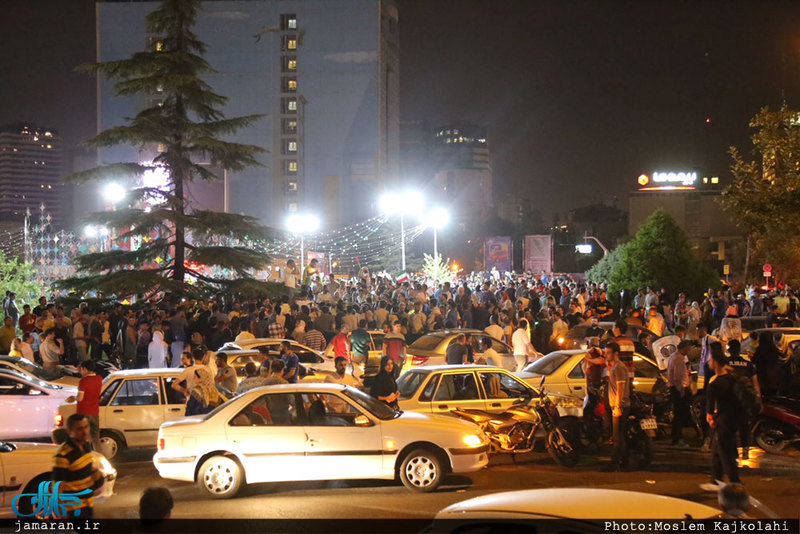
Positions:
{"x": 517, "y": 430}
{"x": 778, "y": 424}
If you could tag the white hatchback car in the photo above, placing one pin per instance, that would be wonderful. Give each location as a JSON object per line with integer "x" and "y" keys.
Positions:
{"x": 28, "y": 405}
{"x": 315, "y": 432}
{"x": 133, "y": 404}
{"x": 24, "y": 465}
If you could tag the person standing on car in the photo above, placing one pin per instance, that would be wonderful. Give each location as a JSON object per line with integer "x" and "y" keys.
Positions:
{"x": 619, "y": 401}
{"x": 679, "y": 390}
{"x": 722, "y": 410}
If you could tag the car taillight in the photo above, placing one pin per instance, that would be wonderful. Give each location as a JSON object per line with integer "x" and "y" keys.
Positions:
{"x": 161, "y": 444}
{"x": 418, "y": 360}
{"x": 59, "y": 420}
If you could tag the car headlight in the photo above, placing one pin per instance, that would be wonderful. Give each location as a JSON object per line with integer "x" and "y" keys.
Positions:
{"x": 472, "y": 440}
{"x": 105, "y": 466}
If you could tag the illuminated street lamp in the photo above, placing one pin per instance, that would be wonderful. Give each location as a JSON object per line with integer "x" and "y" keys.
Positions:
{"x": 403, "y": 203}
{"x": 114, "y": 193}
{"x": 437, "y": 218}
{"x": 301, "y": 225}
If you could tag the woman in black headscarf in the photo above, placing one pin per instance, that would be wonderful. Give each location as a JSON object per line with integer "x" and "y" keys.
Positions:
{"x": 384, "y": 388}
{"x": 767, "y": 359}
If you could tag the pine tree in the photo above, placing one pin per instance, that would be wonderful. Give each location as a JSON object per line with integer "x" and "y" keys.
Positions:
{"x": 177, "y": 241}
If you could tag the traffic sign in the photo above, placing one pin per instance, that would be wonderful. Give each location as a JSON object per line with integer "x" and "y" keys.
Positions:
{"x": 726, "y": 269}
{"x": 767, "y": 274}
{"x": 767, "y": 268}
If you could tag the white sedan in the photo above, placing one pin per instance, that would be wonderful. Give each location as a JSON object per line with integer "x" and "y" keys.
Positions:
{"x": 24, "y": 465}
{"x": 28, "y": 405}
{"x": 315, "y": 431}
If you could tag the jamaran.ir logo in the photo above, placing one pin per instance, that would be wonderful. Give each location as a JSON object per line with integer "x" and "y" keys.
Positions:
{"x": 49, "y": 501}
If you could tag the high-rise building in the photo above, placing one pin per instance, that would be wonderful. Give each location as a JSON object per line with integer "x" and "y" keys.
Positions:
{"x": 30, "y": 172}
{"x": 325, "y": 76}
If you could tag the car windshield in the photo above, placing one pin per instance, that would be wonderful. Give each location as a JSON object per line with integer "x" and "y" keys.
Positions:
{"x": 428, "y": 342}
{"x": 372, "y": 405}
{"x": 548, "y": 364}
{"x": 409, "y": 383}
{"x": 40, "y": 383}
{"x": 36, "y": 370}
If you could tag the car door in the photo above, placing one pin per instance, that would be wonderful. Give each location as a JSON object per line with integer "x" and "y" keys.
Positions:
{"x": 457, "y": 390}
{"x": 27, "y": 410}
{"x": 502, "y": 390}
{"x": 173, "y": 402}
{"x": 576, "y": 378}
{"x": 136, "y": 410}
{"x": 645, "y": 374}
{"x": 335, "y": 447}
{"x": 269, "y": 436}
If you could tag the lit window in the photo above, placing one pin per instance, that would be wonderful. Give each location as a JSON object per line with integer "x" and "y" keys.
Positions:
{"x": 292, "y": 106}
{"x": 159, "y": 46}
{"x": 715, "y": 180}
{"x": 292, "y": 206}
{"x": 292, "y": 166}
{"x": 289, "y": 125}
{"x": 48, "y": 134}
{"x": 290, "y": 84}
{"x": 289, "y": 63}
{"x": 160, "y": 148}
{"x": 291, "y": 186}
{"x": 292, "y": 146}
{"x": 705, "y": 179}
{"x": 288, "y": 21}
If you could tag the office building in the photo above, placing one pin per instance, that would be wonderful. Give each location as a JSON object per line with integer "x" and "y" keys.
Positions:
{"x": 325, "y": 77}
{"x": 30, "y": 172}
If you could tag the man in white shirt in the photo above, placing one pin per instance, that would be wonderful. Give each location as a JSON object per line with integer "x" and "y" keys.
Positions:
{"x": 494, "y": 330}
{"x": 521, "y": 342}
{"x": 490, "y": 356}
{"x": 51, "y": 350}
{"x": 187, "y": 377}
{"x": 290, "y": 277}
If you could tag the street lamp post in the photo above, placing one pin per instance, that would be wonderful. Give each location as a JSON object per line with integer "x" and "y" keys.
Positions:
{"x": 406, "y": 202}
{"x": 301, "y": 225}
{"x": 438, "y": 218}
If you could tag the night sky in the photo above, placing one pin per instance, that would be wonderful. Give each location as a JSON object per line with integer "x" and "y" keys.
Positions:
{"x": 579, "y": 97}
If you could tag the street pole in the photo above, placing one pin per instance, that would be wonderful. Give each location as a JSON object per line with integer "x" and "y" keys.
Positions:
{"x": 302, "y": 264}
{"x": 402, "y": 243}
{"x": 435, "y": 249}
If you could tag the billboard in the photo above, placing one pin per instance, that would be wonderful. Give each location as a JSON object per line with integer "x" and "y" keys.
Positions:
{"x": 497, "y": 252}
{"x": 538, "y": 254}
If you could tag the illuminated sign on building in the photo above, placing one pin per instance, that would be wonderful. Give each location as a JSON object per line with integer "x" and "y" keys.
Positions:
{"x": 667, "y": 181}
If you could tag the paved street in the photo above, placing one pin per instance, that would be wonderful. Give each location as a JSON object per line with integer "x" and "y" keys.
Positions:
{"x": 772, "y": 479}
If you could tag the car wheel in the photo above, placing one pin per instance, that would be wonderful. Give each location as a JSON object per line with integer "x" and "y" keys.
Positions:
{"x": 220, "y": 477}
{"x": 110, "y": 444}
{"x": 421, "y": 470}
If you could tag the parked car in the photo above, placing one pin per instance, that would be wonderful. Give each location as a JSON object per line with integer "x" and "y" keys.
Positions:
{"x": 24, "y": 465}
{"x": 787, "y": 339}
{"x": 28, "y": 404}
{"x": 566, "y": 509}
{"x": 311, "y": 360}
{"x": 27, "y": 367}
{"x": 133, "y": 404}
{"x": 307, "y": 356}
{"x": 431, "y": 349}
{"x": 315, "y": 432}
{"x": 442, "y": 388}
{"x": 565, "y": 376}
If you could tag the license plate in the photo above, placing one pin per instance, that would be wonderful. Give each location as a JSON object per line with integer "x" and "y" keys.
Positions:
{"x": 648, "y": 424}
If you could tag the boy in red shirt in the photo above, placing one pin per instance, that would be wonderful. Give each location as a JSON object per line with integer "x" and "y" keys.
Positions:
{"x": 89, "y": 399}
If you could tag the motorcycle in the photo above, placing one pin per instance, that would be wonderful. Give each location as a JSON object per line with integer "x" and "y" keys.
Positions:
{"x": 518, "y": 429}
{"x": 778, "y": 424}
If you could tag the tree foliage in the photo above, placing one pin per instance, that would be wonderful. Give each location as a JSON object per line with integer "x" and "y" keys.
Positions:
{"x": 601, "y": 271}
{"x": 659, "y": 256}
{"x": 438, "y": 269}
{"x": 180, "y": 249}
{"x": 764, "y": 196}
{"x": 18, "y": 277}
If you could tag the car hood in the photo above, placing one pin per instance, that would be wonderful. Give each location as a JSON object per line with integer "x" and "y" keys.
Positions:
{"x": 67, "y": 381}
{"x": 186, "y": 421}
{"x": 33, "y": 452}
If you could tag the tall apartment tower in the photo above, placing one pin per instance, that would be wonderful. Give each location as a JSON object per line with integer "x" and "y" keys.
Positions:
{"x": 30, "y": 172}
{"x": 325, "y": 76}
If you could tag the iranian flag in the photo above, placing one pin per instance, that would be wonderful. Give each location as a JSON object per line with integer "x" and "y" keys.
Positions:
{"x": 402, "y": 277}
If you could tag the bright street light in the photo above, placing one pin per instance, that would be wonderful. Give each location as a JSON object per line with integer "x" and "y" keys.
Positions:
{"x": 406, "y": 202}
{"x": 437, "y": 218}
{"x": 301, "y": 225}
{"x": 114, "y": 193}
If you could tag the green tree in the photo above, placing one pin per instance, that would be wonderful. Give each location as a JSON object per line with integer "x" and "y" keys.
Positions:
{"x": 438, "y": 269}
{"x": 601, "y": 271}
{"x": 659, "y": 256}
{"x": 18, "y": 277}
{"x": 764, "y": 196}
{"x": 182, "y": 249}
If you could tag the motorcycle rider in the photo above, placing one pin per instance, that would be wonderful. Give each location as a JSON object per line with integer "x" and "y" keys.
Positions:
{"x": 619, "y": 400}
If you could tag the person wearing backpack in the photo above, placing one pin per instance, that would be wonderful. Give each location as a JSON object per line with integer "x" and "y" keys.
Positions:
{"x": 722, "y": 410}
{"x": 748, "y": 390}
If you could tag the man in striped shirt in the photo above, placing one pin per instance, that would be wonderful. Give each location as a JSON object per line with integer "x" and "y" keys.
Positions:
{"x": 73, "y": 465}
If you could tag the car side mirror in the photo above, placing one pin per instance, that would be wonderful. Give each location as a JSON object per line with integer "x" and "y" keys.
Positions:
{"x": 362, "y": 420}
